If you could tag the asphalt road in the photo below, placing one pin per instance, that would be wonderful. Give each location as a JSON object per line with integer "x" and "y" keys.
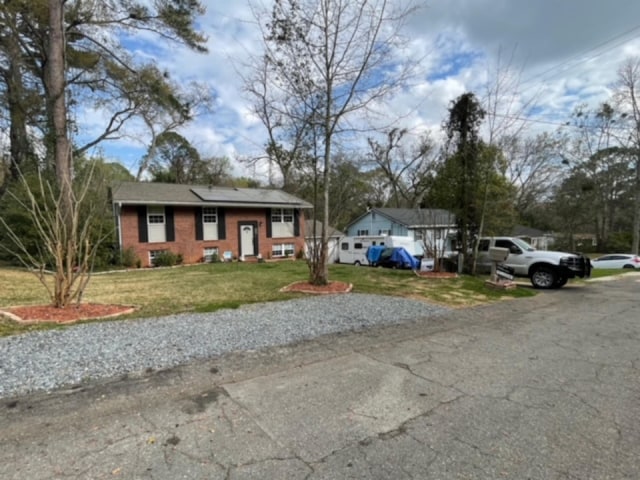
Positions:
{"x": 541, "y": 388}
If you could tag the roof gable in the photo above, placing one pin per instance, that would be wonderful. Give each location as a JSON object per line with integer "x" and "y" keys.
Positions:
{"x": 413, "y": 217}
{"x": 417, "y": 217}
{"x": 308, "y": 229}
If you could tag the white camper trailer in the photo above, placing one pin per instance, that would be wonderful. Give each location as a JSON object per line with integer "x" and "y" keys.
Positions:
{"x": 353, "y": 250}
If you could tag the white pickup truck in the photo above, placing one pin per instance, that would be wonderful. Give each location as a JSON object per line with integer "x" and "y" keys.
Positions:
{"x": 545, "y": 269}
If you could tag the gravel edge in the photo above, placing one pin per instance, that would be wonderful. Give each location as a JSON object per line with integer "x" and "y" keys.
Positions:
{"x": 48, "y": 360}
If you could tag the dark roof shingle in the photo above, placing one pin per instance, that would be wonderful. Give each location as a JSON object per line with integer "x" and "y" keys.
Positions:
{"x": 414, "y": 217}
{"x": 145, "y": 193}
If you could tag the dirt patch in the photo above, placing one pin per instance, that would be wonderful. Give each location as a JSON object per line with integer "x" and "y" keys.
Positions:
{"x": 437, "y": 274}
{"x": 70, "y": 314}
{"x": 306, "y": 287}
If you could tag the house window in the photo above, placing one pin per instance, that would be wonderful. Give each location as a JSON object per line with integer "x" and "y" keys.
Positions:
{"x": 210, "y": 254}
{"x": 209, "y": 215}
{"x": 282, "y": 215}
{"x": 362, "y": 232}
{"x": 210, "y": 223}
{"x": 282, "y": 223}
{"x": 153, "y": 254}
{"x": 383, "y": 232}
{"x": 156, "y": 224}
{"x": 155, "y": 215}
{"x": 282, "y": 249}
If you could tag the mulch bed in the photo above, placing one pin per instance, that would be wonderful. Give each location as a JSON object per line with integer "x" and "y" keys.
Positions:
{"x": 70, "y": 314}
{"x": 306, "y": 287}
{"x": 437, "y": 274}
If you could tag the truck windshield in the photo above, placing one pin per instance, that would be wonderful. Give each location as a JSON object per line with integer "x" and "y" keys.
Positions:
{"x": 523, "y": 245}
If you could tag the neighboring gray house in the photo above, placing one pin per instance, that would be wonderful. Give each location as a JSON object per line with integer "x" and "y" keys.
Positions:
{"x": 422, "y": 225}
{"x": 311, "y": 240}
{"x": 534, "y": 237}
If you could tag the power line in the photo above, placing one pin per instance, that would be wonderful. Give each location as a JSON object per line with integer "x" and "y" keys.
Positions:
{"x": 548, "y": 122}
{"x": 592, "y": 49}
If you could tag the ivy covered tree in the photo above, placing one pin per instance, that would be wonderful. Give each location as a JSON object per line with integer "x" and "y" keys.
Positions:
{"x": 462, "y": 167}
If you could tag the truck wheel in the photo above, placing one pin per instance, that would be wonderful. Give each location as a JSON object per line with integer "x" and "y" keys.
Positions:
{"x": 357, "y": 263}
{"x": 544, "y": 277}
{"x": 561, "y": 281}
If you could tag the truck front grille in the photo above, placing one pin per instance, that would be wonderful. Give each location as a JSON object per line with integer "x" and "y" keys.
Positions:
{"x": 577, "y": 264}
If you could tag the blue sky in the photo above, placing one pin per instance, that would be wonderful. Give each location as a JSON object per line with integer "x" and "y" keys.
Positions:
{"x": 564, "y": 52}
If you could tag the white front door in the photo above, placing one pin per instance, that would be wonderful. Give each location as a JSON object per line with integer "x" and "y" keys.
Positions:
{"x": 247, "y": 238}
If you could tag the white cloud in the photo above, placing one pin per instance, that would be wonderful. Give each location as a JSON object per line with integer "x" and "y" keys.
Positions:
{"x": 566, "y": 53}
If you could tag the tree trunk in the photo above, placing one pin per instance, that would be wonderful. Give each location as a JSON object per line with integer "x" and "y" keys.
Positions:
{"x": 635, "y": 245}
{"x": 55, "y": 81}
{"x": 20, "y": 147}
{"x": 59, "y": 148}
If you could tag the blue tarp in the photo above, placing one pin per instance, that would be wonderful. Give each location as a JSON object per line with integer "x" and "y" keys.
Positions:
{"x": 392, "y": 257}
{"x": 374, "y": 253}
{"x": 404, "y": 259}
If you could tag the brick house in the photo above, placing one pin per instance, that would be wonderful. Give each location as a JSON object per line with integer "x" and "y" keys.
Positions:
{"x": 199, "y": 222}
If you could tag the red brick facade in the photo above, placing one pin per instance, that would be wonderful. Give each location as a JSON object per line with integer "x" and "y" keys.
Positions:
{"x": 191, "y": 249}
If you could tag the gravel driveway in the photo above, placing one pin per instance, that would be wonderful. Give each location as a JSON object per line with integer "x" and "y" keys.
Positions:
{"x": 46, "y": 360}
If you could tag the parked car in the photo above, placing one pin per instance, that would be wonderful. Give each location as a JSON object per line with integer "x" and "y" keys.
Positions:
{"x": 617, "y": 260}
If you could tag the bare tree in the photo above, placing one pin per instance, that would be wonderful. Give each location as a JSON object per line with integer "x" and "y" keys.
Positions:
{"x": 286, "y": 120}
{"x": 406, "y": 168}
{"x": 68, "y": 232}
{"x": 331, "y": 59}
{"x": 534, "y": 167}
{"x": 438, "y": 229}
{"x": 504, "y": 102}
{"x": 506, "y": 110}
{"x": 627, "y": 97}
{"x": 598, "y": 152}
{"x": 167, "y": 113}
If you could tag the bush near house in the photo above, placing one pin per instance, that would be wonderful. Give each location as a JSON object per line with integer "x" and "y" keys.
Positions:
{"x": 167, "y": 259}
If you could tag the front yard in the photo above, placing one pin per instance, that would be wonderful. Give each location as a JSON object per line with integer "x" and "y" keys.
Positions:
{"x": 210, "y": 287}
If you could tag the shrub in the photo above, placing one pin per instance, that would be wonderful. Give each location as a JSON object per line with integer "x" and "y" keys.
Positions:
{"x": 128, "y": 258}
{"x": 167, "y": 259}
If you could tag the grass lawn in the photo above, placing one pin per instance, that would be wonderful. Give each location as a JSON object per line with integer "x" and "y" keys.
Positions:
{"x": 209, "y": 287}
{"x": 607, "y": 272}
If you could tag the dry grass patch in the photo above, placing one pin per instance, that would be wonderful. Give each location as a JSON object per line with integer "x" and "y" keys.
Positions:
{"x": 19, "y": 287}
